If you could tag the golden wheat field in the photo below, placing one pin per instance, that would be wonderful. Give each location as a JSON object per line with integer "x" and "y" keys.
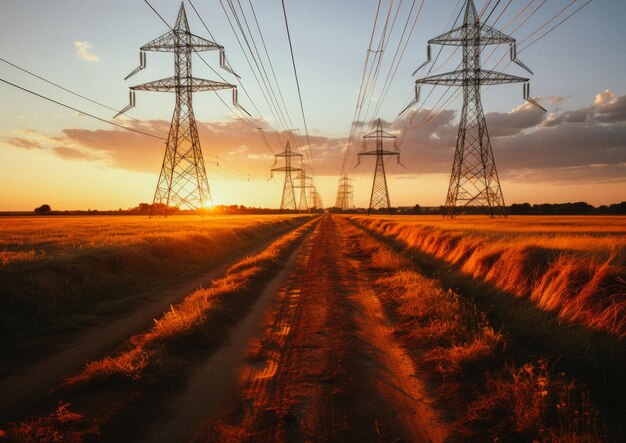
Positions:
{"x": 29, "y": 238}
{"x": 54, "y": 270}
{"x": 575, "y": 266}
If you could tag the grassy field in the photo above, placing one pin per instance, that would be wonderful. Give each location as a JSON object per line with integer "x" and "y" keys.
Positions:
{"x": 514, "y": 328}
{"x": 488, "y": 394}
{"x": 573, "y": 266}
{"x": 56, "y": 271}
{"x": 150, "y": 362}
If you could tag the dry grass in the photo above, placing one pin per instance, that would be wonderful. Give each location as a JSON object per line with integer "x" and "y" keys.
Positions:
{"x": 62, "y": 425}
{"x": 533, "y": 402}
{"x": 453, "y": 344}
{"x": 574, "y": 266}
{"x": 183, "y": 320}
{"x": 57, "y": 267}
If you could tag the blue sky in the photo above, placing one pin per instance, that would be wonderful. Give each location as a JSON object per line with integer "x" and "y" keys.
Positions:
{"x": 576, "y": 62}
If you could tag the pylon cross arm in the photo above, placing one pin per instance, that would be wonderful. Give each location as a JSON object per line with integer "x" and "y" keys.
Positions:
{"x": 169, "y": 42}
{"x": 460, "y": 37}
{"x": 286, "y": 169}
{"x": 468, "y": 77}
{"x": 455, "y": 37}
{"x": 172, "y": 84}
{"x": 491, "y": 36}
{"x": 383, "y": 152}
{"x": 288, "y": 154}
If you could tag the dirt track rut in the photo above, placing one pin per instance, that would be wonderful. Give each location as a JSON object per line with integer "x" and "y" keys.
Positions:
{"x": 327, "y": 367}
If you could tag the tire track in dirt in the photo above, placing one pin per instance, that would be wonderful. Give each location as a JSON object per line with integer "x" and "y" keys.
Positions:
{"x": 23, "y": 390}
{"x": 327, "y": 367}
{"x": 395, "y": 376}
{"x": 212, "y": 384}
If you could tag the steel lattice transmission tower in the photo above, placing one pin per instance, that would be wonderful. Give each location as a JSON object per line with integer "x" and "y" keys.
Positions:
{"x": 304, "y": 183}
{"x": 183, "y": 181}
{"x": 288, "y": 201}
{"x": 474, "y": 180}
{"x": 316, "y": 199}
{"x": 345, "y": 194}
{"x": 379, "y": 198}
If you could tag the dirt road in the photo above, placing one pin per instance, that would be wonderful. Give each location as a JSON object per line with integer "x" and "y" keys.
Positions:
{"x": 324, "y": 366}
{"x": 20, "y": 391}
{"x": 313, "y": 359}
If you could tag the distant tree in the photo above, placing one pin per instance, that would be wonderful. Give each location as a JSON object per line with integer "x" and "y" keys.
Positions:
{"x": 143, "y": 208}
{"x": 520, "y": 209}
{"x": 577, "y": 208}
{"x": 416, "y": 209}
{"x": 618, "y": 208}
{"x": 43, "y": 210}
{"x": 543, "y": 209}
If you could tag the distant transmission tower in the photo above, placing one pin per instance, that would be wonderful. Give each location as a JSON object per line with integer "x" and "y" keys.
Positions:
{"x": 183, "y": 182}
{"x": 379, "y": 198}
{"x": 288, "y": 201}
{"x": 303, "y": 183}
{"x": 474, "y": 180}
{"x": 316, "y": 200}
{"x": 345, "y": 194}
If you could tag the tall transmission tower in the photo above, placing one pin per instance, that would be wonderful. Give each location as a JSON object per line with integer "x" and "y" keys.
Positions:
{"x": 379, "y": 198}
{"x": 345, "y": 194}
{"x": 288, "y": 201}
{"x": 474, "y": 180}
{"x": 183, "y": 181}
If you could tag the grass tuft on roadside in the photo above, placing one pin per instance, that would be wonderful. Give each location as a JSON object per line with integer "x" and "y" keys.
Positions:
{"x": 62, "y": 425}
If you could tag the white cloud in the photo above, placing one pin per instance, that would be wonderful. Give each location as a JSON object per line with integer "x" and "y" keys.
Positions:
{"x": 82, "y": 49}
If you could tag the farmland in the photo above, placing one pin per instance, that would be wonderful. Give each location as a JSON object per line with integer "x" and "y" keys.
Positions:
{"x": 439, "y": 330}
{"x": 64, "y": 273}
{"x": 574, "y": 266}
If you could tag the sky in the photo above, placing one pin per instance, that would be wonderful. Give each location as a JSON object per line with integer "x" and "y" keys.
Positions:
{"x": 49, "y": 154}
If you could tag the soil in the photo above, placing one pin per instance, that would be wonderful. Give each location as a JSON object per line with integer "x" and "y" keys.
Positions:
{"x": 327, "y": 366}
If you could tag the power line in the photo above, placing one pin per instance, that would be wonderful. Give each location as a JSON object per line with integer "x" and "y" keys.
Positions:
{"x": 256, "y": 78}
{"x": 258, "y": 60}
{"x": 66, "y": 89}
{"x": 245, "y": 90}
{"x": 361, "y": 91}
{"x": 295, "y": 71}
{"x": 81, "y": 112}
{"x": 555, "y": 26}
{"x": 209, "y": 32}
{"x": 393, "y": 71}
{"x": 270, "y": 62}
{"x": 368, "y": 84}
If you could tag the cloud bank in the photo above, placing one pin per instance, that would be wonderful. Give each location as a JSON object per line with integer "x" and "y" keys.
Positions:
{"x": 586, "y": 145}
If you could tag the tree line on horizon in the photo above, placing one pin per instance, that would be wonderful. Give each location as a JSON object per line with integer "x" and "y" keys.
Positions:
{"x": 577, "y": 208}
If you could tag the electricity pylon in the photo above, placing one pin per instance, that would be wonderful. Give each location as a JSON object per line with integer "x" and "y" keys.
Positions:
{"x": 474, "y": 180}
{"x": 183, "y": 181}
{"x": 316, "y": 199}
{"x": 379, "y": 198}
{"x": 345, "y": 195}
{"x": 288, "y": 201}
{"x": 303, "y": 182}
